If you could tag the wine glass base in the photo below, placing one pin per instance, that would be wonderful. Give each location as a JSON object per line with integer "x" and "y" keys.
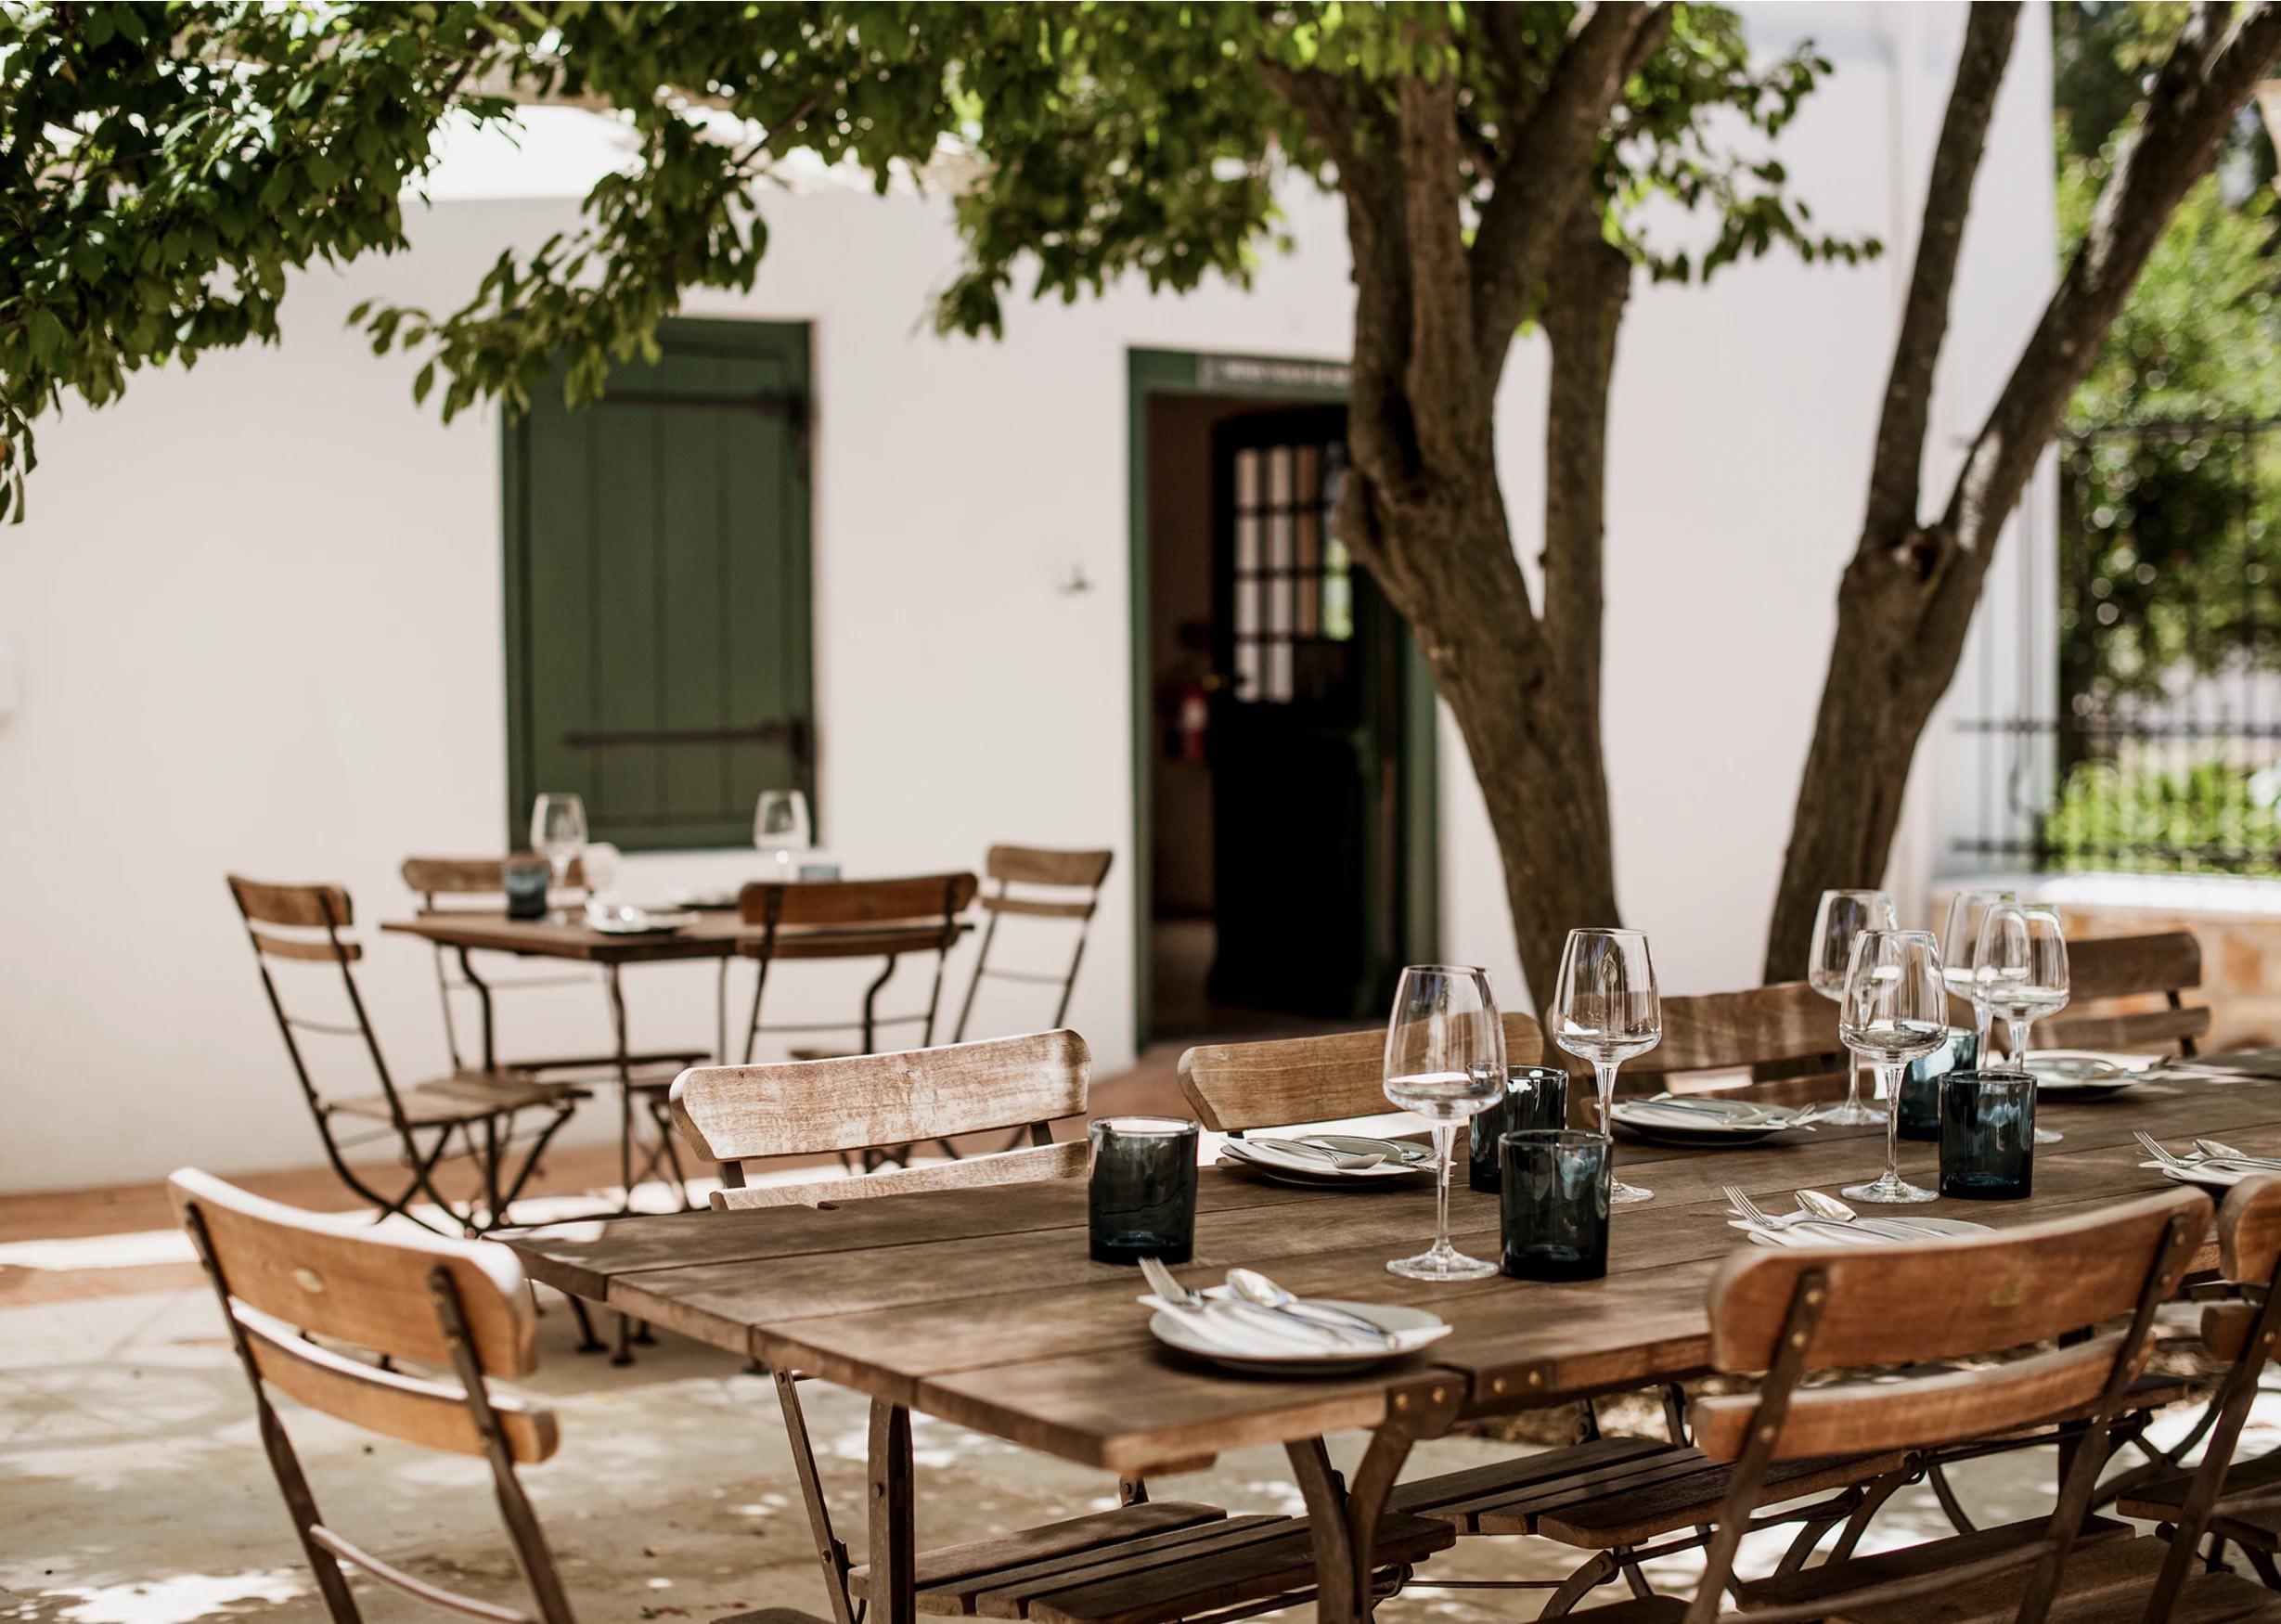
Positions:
{"x": 1851, "y": 1113}
{"x": 1623, "y": 1194}
{"x": 2044, "y": 1136}
{"x": 1889, "y": 1191}
{"x": 1444, "y": 1262}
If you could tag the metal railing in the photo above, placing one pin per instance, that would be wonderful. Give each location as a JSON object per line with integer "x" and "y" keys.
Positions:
{"x": 2164, "y": 751}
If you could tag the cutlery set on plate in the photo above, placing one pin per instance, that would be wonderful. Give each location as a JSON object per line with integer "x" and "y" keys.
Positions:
{"x": 1824, "y": 1220}
{"x": 1327, "y": 1159}
{"x": 1252, "y": 1323}
{"x": 2213, "y": 1165}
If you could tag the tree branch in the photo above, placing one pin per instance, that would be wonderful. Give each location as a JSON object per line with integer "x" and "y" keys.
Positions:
{"x": 2211, "y": 73}
{"x": 1898, "y": 468}
{"x": 1589, "y": 282}
{"x": 1543, "y": 170}
{"x": 1439, "y": 376}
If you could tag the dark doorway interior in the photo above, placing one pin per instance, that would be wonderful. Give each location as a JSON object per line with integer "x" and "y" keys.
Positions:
{"x": 1276, "y": 808}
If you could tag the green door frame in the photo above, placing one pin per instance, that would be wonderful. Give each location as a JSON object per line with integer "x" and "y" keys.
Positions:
{"x": 1149, "y": 373}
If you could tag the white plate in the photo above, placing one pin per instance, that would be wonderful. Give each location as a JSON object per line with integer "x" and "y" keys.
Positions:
{"x": 642, "y": 922}
{"x": 2210, "y": 1178}
{"x": 1707, "y": 1121}
{"x": 1416, "y": 1328}
{"x": 2065, "y": 1074}
{"x": 1819, "y": 1235}
{"x": 1403, "y": 1161}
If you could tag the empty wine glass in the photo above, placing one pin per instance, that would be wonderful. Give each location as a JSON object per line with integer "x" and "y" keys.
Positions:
{"x": 2020, "y": 973}
{"x": 780, "y": 826}
{"x": 1960, "y": 941}
{"x": 1842, "y": 916}
{"x": 1444, "y": 1061}
{"x": 559, "y": 835}
{"x": 1894, "y": 1010}
{"x": 1605, "y": 1011}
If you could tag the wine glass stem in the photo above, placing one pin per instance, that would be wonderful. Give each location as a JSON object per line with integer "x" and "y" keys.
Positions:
{"x": 1445, "y": 1153}
{"x": 2019, "y": 1043}
{"x": 1853, "y": 1082}
{"x": 1889, "y": 1085}
{"x": 1603, "y": 1075}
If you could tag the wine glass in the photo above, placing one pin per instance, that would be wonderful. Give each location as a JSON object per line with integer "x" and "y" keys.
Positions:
{"x": 780, "y": 826}
{"x": 1842, "y": 916}
{"x": 2020, "y": 973}
{"x": 1444, "y": 1061}
{"x": 1894, "y": 1010}
{"x": 559, "y": 833}
{"x": 1960, "y": 942}
{"x": 1605, "y": 1011}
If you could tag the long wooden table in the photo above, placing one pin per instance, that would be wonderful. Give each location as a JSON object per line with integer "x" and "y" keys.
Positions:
{"x": 980, "y": 1307}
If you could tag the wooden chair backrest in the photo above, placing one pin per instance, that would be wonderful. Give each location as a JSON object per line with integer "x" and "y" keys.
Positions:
{"x": 485, "y": 877}
{"x": 867, "y": 1101}
{"x": 2249, "y": 1230}
{"x": 915, "y": 899}
{"x": 323, "y": 910}
{"x": 1020, "y": 1167}
{"x": 1722, "y": 1031}
{"x": 1902, "y": 1305}
{"x": 2153, "y": 969}
{"x": 283, "y": 1272}
{"x": 1236, "y": 1087}
{"x": 1045, "y": 866}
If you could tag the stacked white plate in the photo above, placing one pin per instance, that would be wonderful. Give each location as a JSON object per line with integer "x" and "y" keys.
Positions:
{"x": 1259, "y": 1341}
{"x": 2063, "y": 1073}
{"x": 1868, "y": 1231}
{"x": 1276, "y": 1158}
{"x": 1705, "y": 1120}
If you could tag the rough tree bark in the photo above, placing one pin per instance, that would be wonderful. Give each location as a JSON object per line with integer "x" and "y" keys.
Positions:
{"x": 1422, "y": 508}
{"x": 1908, "y": 592}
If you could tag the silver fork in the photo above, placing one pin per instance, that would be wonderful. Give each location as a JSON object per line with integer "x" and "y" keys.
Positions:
{"x": 2154, "y": 1147}
{"x": 1757, "y": 1219}
{"x": 1171, "y": 1290}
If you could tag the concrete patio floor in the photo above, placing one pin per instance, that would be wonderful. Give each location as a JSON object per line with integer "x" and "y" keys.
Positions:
{"x": 133, "y": 1487}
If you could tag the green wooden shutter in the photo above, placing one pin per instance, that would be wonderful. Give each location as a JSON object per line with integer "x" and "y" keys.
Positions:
{"x": 657, "y": 591}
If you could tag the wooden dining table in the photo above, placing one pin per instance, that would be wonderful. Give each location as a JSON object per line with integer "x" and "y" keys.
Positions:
{"x": 715, "y": 934}
{"x": 980, "y": 1307}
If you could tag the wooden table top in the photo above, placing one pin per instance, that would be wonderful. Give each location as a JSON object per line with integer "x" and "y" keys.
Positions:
{"x": 980, "y": 1307}
{"x": 715, "y": 934}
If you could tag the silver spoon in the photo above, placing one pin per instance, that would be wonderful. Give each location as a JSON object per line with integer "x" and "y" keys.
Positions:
{"x": 1837, "y": 1211}
{"x": 1256, "y": 1288}
{"x": 2215, "y": 1152}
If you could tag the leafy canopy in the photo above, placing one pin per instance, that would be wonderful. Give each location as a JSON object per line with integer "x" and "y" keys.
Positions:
{"x": 163, "y": 165}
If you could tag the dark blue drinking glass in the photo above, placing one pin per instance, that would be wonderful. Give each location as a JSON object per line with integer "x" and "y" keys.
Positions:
{"x": 524, "y": 880}
{"x": 1554, "y": 1204}
{"x": 1536, "y": 1100}
{"x": 1142, "y": 1199}
{"x": 1988, "y": 1135}
{"x": 1920, "y": 1085}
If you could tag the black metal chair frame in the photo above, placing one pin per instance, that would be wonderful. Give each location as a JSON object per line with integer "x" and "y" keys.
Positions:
{"x": 638, "y": 1161}
{"x": 1001, "y": 902}
{"x": 489, "y": 1156}
{"x": 325, "y": 1550}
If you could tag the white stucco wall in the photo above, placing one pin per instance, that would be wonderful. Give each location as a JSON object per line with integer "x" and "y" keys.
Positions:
{"x": 256, "y": 616}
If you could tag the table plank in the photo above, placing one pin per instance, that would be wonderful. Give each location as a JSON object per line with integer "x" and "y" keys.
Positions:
{"x": 980, "y": 1307}
{"x": 715, "y": 934}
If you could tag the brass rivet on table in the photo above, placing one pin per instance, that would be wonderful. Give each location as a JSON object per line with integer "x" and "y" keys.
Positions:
{"x": 1536, "y": 1378}
{"x": 1797, "y": 1339}
{"x": 1401, "y": 1400}
{"x": 1438, "y": 1395}
{"x": 1497, "y": 1384}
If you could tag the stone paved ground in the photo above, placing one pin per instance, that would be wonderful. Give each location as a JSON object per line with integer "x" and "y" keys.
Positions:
{"x": 132, "y": 1490}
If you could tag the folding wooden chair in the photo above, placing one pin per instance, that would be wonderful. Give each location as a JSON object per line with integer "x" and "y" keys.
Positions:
{"x": 1180, "y": 1552}
{"x": 2128, "y": 993}
{"x": 448, "y": 884}
{"x": 852, "y": 919}
{"x": 2229, "y": 1501}
{"x": 485, "y": 1107}
{"x": 1055, "y": 885}
{"x": 1236, "y": 1087}
{"x": 1846, "y": 1315}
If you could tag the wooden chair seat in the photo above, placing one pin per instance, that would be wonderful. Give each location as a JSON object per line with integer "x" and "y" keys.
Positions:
{"x": 1148, "y": 1564}
{"x": 2161, "y": 1500}
{"x": 466, "y": 1097}
{"x": 1612, "y": 1492}
{"x": 2107, "y": 1581}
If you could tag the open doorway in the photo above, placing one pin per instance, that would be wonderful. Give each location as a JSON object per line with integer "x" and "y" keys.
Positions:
{"x": 1284, "y": 726}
